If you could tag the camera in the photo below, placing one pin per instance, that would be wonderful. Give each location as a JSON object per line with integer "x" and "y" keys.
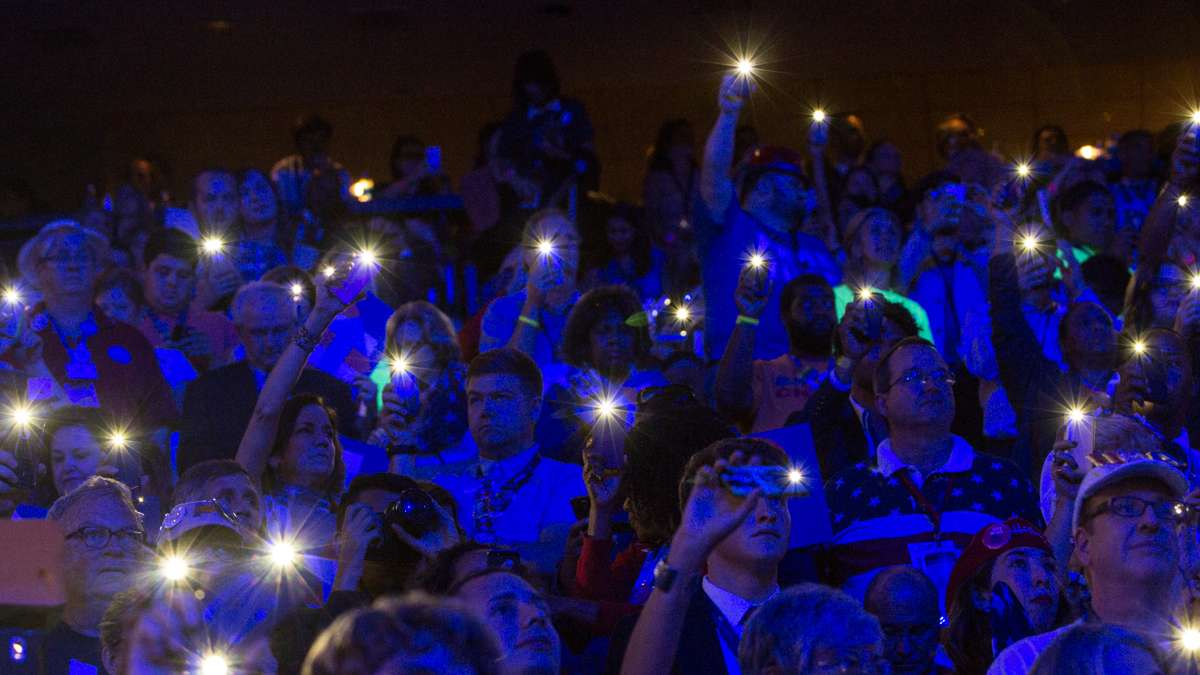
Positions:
{"x": 414, "y": 511}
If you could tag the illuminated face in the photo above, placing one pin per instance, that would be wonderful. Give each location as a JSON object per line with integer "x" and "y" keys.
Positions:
{"x": 115, "y": 302}
{"x": 310, "y": 455}
{"x": 258, "y": 204}
{"x": 216, "y": 201}
{"x": 266, "y": 329}
{"x": 1030, "y": 573}
{"x": 237, "y": 495}
{"x": 612, "y": 343}
{"x": 169, "y": 283}
{"x": 69, "y": 266}
{"x": 75, "y": 456}
{"x": 880, "y": 239}
{"x": 915, "y": 403}
{"x": 500, "y": 411}
{"x": 91, "y": 573}
{"x": 520, "y": 619}
{"x": 1116, "y": 549}
{"x": 761, "y": 538}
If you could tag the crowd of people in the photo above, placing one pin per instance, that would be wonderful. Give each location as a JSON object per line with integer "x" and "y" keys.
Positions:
{"x": 791, "y": 413}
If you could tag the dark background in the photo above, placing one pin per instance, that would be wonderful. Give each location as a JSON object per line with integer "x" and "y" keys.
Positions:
{"x": 87, "y": 84}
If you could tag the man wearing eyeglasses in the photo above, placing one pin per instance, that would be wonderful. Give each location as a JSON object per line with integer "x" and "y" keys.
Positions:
{"x": 1128, "y": 521}
{"x": 927, "y": 492}
{"x": 104, "y": 546}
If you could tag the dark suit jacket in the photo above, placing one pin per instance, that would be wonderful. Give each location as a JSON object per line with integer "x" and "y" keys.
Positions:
{"x": 836, "y": 430}
{"x": 699, "y": 648}
{"x": 218, "y": 406}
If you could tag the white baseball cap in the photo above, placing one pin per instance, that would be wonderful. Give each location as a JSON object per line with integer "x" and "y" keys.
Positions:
{"x": 1104, "y": 475}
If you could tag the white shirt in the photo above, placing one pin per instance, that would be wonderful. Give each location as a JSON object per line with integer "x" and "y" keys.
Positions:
{"x": 961, "y": 458}
{"x": 734, "y": 608}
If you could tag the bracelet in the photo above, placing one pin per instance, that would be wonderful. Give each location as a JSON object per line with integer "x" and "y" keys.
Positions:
{"x": 744, "y": 320}
{"x": 305, "y": 340}
{"x": 528, "y": 321}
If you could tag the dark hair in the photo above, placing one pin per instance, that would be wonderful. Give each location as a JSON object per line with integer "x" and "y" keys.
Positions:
{"x": 969, "y": 636}
{"x": 440, "y": 576}
{"x": 285, "y": 229}
{"x": 287, "y": 275}
{"x": 311, "y": 123}
{"x": 1070, "y": 200}
{"x": 595, "y": 213}
{"x": 1139, "y": 309}
{"x": 896, "y": 313}
{"x": 667, "y": 433}
{"x": 119, "y": 277}
{"x": 591, "y": 307}
{"x": 792, "y": 289}
{"x": 534, "y": 66}
{"x": 883, "y": 369}
{"x": 209, "y": 169}
{"x": 436, "y": 330}
{"x": 1134, "y": 134}
{"x": 384, "y": 481}
{"x": 172, "y": 242}
{"x": 875, "y": 146}
{"x": 768, "y": 451}
{"x": 1064, "y": 326}
{"x": 508, "y": 361}
{"x": 943, "y": 131}
{"x": 199, "y": 475}
{"x": 659, "y": 158}
{"x": 1058, "y": 131}
{"x": 287, "y": 425}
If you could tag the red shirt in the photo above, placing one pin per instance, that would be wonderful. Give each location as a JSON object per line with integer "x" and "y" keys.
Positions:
{"x": 128, "y": 383}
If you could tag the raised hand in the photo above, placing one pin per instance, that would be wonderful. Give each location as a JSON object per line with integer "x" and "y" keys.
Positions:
{"x": 729, "y": 98}
{"x": 710, "y": 515}
{"x": 753, "y": 291}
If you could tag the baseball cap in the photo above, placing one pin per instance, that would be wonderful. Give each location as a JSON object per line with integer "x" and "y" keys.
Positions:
{"x": 1104, "y": 475}
{"x": 191, "y": 516}
{"x": 988, "y": 544}
{"x": 771, "y": 159}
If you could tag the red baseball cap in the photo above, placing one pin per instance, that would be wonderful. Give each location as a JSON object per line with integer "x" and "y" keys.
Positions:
{"x": 988, "y": 544}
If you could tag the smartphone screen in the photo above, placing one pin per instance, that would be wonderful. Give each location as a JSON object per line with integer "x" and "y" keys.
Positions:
{"x": 433, "y": 158}
{"x": 772, "y": 481}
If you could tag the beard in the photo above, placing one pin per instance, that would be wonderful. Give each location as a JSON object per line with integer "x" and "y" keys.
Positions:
{"x": 814, "y": 340}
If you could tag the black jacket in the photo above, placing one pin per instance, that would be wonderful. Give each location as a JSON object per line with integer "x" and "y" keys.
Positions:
{"x": 836, "y": 429}
{"x": 699, "y": 648}
{"x": 218, "y": 406}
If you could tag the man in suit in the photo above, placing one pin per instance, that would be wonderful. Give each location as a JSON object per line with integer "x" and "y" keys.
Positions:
{"x": 217, "y": 407}
{"x": 693, "y": 620}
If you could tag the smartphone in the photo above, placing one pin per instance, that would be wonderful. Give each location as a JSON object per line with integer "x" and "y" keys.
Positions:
{"x": 356, "y": 279}
{"x": 772, "y": 481}
{"x": 874, "y": 317}
{"x": 1083, "y": 432}
{"x": 433, "y": 158}
{"x": 741, "y": 85}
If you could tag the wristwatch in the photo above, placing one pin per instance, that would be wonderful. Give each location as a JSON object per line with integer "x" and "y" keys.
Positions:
{"x": 664, "y": 576}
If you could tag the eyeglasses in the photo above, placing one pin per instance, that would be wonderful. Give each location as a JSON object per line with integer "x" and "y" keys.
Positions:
{"x": 1128, "y": 506}
{"x": 679, "y": 393}
{"x": 97, "y": 537}
{"x": 940, "y": 377}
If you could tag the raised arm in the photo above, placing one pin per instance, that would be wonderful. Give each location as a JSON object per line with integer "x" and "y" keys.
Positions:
{"x": 1160, "y": 222}
{"x": 716, "y": 186}
{"x": 735, "y": 375}
{"x": 818, "y": 138}
{"x": 255, "y": 447}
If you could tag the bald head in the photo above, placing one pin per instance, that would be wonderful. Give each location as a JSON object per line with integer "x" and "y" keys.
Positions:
{"x": 906, "y": 603}
{"x": 902, "y": 585}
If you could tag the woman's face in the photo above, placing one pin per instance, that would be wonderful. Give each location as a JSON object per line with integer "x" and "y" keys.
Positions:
{"x": 116, "y": 303}
{"x": 620, "y": 235}
{"x": 75, "y": 456}
{"x": 257, "y": 199}
{"x": 612, "y": 342}
{"x": 1170, "y": 287}
{"x": 308, "y": 460}
{"x": 880, "y": 239}
{"x": 1031, "y": 574}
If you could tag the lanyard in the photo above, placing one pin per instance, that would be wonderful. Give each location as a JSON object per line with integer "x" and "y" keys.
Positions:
{"x": 930, "y": 510}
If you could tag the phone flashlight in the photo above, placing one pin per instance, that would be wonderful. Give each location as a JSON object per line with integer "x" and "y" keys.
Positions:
{"x": 1189, "y": 638}
{"x": 12, "y": 295}
{"x": 212, "y": 245}
{"x": 1024, "y": 170}
{"x": 545, "y": 247}
{"x": 173, "y": 568}
{"x": 1030, "y": 243}
{"x": 118, "y": 440}
{"x": 818, "y": 116}
{"x": 682, "y": 314}
{"x": 282, "y": 554}
{"x": 1182, "y": 201}
{"x": 214, "y": 664}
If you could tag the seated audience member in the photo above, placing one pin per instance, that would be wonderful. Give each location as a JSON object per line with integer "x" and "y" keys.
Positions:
{"x": 104, "y": 546}
{"x": 607, "y": 345}
{"x": 219, "y": 405}
{"x": 760, "y": 214}
{"x": 905, "y": 602}
{"x": 212, "y": 208}
{"x": 927, "y": 491}
{"x": 99, "y": 362}
{"x": 630, "y": 259}
{"x": 423, "y": 407}
{"x": 168, "y": 318}
{"x": 309, "y": 178}
{"x": 811, "y": 629}
{"x": 509, "y": 493}
{"x": 846, "y": 424}
{"x": 534, "y": 318}
{"x": 670, "y": 428}
{"x": 118, "y": 616}
{"x": 119, "y": 295}
{"x": 207, "y": 541}
{"x": 267, "y": 239}
{"x": 872, "y": 245}
{"x": 1100, "y": 649}
{"x": 410, "y": 634}
{"x": 377, "y": 556}
{"x": 1004, "y": 587}
{"x": 226, "y": 482}
{"x": 1127, "y": 522}
{"x": 692, "y": 625}
{"x": 291, "y": 446}
{"x": 763, "y": 394}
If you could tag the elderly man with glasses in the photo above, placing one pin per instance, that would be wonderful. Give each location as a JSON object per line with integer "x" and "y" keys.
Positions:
{"x": 927, "y": 491}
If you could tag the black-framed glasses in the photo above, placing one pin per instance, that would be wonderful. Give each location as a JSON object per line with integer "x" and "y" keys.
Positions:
{"x": 940, "y": 377}
{"x": 680, "y": 393}
{"x": 97, "y": 537}
{"x": 1128, "y": 506}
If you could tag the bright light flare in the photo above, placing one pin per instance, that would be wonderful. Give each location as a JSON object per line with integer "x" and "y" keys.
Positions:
{"x": 368, "y": 257}
{"x": 682, "y": 313}
{"x": 21, "y": 415}
{"x": 1196, "y": 281}
{"x": 1089, "y": 152}
{"x": 818, "y": 116}
{"x": 1030, "y": 243}
{"x": 283, "y": 554}
{"x": 328, "y": 271}
{"x": 1024, "y": 170}
{"x": 745, "y": 67}
{"x": 212, "y": 245}
{"x": 214, "y": 664}
{"x": 1182, "y": 201}
{"x": 297, "y": 290}
{"x": 545, "y": 247}
{"x": 1196, "y": 117}
{"x": 12, "y": 295}
{"x": 606, "y": 408}
{"x": 173, "y": 568}
{"x": 118, "y": 440}
{"x": 1139, "y": 347}
{"x": 361, "y": 189}
{"x": 866, "y": 293}
{"x": 1190, "y": 639}
{"x": 399, "y": 365}
{"x": 795, "y": 476}
{"x": 1076, "y": 415}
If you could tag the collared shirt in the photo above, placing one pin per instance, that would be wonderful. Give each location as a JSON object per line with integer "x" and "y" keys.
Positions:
{"x": 961, "y": 457}
{"x": 735, "y": 609}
